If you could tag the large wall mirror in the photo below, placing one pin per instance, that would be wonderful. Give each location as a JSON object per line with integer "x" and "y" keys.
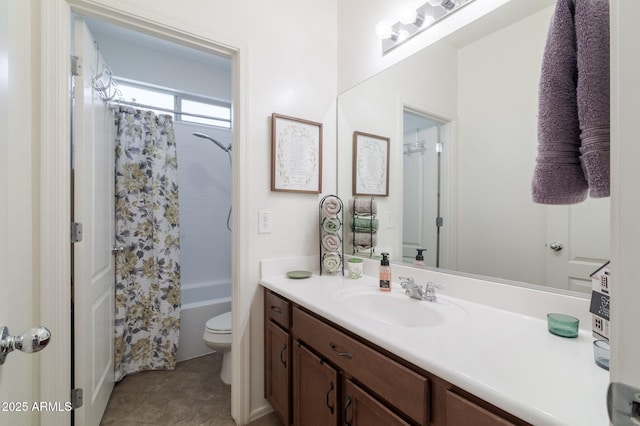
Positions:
{"x": 461, "y": 116}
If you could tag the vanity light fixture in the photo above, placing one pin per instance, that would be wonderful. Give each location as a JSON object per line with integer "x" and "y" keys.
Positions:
{"x": 414, "y": 21}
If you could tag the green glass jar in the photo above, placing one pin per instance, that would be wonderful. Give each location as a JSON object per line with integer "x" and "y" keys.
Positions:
{"x": 354, "y": 268}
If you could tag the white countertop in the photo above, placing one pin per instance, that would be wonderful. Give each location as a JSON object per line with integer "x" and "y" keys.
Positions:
{"x": 506, "y": 358}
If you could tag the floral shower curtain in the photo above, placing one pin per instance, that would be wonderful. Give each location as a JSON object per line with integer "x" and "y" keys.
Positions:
{"x": 147, "y": 270}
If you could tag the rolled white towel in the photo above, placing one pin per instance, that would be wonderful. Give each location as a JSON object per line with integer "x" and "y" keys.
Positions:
{"x": 363, "y": 240}
{"x": 331, "y": 262}
{"x": 331, "y": 242}
{"x": 363, "y": 206}
{"x": 331, "y": 205}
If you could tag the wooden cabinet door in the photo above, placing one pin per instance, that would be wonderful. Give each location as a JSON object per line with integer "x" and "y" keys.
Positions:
{"x": 361, "y": 409}
{"x": 315, "y": 390}
{"x": 462, "y": 412}
{"x": 277, "y": 372}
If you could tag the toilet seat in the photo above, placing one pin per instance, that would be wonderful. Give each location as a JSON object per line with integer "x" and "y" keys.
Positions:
{"x": 220, "y": 324}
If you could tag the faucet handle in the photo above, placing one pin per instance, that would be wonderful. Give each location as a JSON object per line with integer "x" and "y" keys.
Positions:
{"x": 406, "y": 281}
{"x": 430, "y": 291}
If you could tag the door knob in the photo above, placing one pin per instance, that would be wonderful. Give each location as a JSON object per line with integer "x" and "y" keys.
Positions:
{"x": 555, "y": 246}
{"x": 32, "y": 340}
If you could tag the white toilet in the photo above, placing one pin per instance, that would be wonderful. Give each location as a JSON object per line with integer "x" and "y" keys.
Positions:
{"x": 217, "y": 336}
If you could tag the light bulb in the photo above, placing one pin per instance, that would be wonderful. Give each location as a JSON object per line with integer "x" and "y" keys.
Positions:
{"x": 428, "y": 20}
{"x": 408, "y": 15}
{"x": 403, "y": 35}
{"x": 384, "y": 30}
{"x": 434, "y": 2}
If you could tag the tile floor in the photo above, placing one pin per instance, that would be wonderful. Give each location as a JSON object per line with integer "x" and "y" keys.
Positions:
{"x": 192, "y": 394}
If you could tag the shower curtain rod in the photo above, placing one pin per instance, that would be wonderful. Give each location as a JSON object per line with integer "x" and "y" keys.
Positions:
{"x": 173, "y": 111}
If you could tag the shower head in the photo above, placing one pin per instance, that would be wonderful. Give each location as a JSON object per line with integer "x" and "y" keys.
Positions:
{"x": 202, "y": 135}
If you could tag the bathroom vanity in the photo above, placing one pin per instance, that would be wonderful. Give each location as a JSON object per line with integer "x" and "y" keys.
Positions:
{"x": 338, "y": 351}
{"x": 317, "y": 370}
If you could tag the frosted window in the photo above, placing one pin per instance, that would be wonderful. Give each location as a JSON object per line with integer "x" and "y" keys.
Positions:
{"x": 220, "y": 115}
{"x": 148, "y": 97}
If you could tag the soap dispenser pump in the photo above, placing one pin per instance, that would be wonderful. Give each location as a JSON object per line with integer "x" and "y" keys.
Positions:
{"x": 385, "y": 273}
{"x": 419, "y": 258}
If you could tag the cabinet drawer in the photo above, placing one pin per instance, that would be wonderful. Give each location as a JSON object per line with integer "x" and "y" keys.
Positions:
{"x": 277, "y": 309}
{"x": 401, "y": 387}
{"x": 462, "y": 412}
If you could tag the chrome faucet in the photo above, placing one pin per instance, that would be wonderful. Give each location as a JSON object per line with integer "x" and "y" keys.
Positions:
{"x": 416, "y": 291}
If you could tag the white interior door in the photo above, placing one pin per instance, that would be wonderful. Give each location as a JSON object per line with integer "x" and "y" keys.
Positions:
{"x": 578, "y": 243}
{"x": 94, "y": 140}
{"x": 17, "y": 249}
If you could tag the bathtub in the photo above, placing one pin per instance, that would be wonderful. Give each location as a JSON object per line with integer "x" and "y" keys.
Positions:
{"x": 200, "y": 302}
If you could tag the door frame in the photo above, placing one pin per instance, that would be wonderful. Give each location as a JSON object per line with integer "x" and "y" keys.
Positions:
{"x": 55, "y": 272}
{"x": 448, "y": 176}
{"x": 625, "y": 204}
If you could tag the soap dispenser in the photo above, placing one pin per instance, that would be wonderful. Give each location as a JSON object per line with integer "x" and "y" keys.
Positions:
{"x": 385, "y": 273}
{"x": 419, "y": 258}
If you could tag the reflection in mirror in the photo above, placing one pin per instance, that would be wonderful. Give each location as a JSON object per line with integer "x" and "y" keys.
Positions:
{"x": 478, "y": 88}
{"x": 422, "y": 221}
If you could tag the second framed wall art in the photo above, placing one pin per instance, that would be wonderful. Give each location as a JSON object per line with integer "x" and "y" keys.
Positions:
{"x": 296, "y": 154}
{"x": 370, "y": 164}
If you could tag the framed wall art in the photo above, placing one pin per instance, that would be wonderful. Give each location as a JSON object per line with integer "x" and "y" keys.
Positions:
{"x": 296, "y": 154}
{"x": 370, "y": 164}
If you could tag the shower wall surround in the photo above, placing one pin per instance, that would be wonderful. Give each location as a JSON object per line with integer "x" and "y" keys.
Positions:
{"x": 204, "y": 175}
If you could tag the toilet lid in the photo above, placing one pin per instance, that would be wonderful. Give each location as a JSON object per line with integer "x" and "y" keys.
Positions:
{"x": 220, "y": 323}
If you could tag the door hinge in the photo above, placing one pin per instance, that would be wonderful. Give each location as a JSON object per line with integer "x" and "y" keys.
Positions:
{"x": 76, "y": 398}
{"x": 76, "y": 65}
{"x": 439, "y": 221}
{"x": 76, "y": 232}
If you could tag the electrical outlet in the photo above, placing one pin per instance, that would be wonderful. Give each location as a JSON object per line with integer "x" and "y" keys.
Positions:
{"x": 264, "y": 222}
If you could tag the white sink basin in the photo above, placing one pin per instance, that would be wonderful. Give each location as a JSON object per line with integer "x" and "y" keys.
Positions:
{"x": 397, "y": 309}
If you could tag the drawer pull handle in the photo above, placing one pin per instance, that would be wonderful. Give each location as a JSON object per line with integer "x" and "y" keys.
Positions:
{"x": 346, "y": 406}
{"x": 347, "y": 355}
{"x": 276, "y": 309}
{"x": 284, "y": 346}
{"x": 331, "y": 407}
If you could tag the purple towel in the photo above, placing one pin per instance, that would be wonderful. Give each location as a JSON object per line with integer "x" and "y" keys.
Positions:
{"x": 573, "y": 110}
